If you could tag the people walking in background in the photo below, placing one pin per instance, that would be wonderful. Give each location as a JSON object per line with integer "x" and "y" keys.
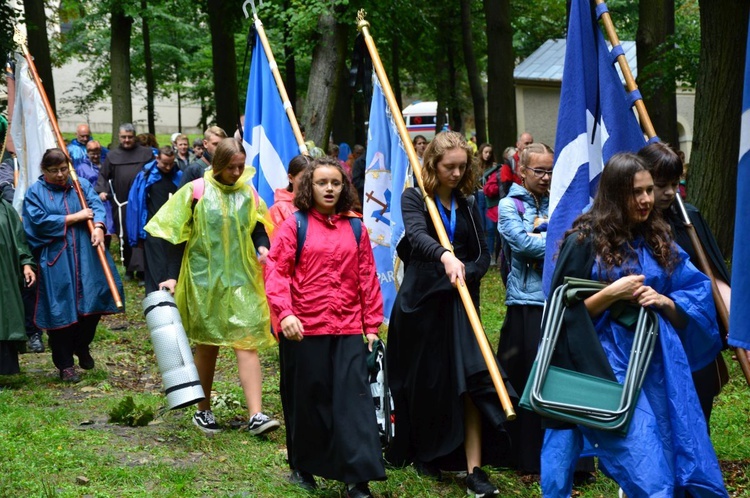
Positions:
{"x": 151, "y": 189}
{"x": 119, "y": 170}
{"x": 666, "y": 169}
{"x": 486, "y": 168}
{"x": 326, "y": 294}
{"x": 211, "y": 138}
{"x": 220, "y": 291}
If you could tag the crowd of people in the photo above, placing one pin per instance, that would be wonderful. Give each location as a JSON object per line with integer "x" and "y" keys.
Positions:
{"x": 300, "y": 275}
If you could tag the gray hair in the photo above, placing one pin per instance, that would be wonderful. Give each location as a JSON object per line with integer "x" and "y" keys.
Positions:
{"x": 127, "y": 127}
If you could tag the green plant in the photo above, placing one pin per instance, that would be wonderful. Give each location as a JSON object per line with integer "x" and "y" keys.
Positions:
{"x": 129, "y": 413}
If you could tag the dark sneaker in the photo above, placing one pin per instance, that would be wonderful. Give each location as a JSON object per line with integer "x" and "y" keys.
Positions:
{"x": 428, "y": 469}
{"x": 260, "y": 423}
{"x": 478, "y": 484}
{"x": 35, "y": 343}
{"x": 85, "y": 361}
{"x": 69, "y": 375}
{"x": 361, "y": 490}
{"x": 304, "y": 480}
{"x": 205, "y": 421}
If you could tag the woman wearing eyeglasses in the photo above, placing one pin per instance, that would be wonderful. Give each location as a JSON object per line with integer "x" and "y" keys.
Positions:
{"x": 72, "y": 292}
{"x": 522, "y": 222}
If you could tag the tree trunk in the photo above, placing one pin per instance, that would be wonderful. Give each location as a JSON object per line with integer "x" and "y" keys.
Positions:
{"x": 718, "y": 104}
{"x": 36, "y": 24}
{"x": 454, "y": 109}
{"x": 343, "y": 131}
{"x": 290, "y": 66}
{"x": 655, "y": 25}
{"x": 501, "y": 94}
{"x": 224, "y": 64}
{"x": 119, "y": 47}
{"x": 325, "y": 70}
{"x": 472, "y": 71}
{"x": 149, "y": 69}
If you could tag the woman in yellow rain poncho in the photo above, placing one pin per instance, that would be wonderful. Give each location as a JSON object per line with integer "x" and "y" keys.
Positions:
{"x": 220, "y": 292}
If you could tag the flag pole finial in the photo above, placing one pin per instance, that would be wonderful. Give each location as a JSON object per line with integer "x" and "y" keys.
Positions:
{"x": 361, "y": 22}
{"x": 252, "y": 7}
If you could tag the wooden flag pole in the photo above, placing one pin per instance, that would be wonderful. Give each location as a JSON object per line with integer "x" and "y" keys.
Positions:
{"x": 276, "y": 76}
{"x": 702, "y": 263}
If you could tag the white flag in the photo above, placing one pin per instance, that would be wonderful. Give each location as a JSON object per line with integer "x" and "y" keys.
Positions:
{"x": 31, "y": 131}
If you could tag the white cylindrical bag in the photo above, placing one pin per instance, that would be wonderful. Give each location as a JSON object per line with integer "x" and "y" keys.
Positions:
{"x": 179, "y": 375}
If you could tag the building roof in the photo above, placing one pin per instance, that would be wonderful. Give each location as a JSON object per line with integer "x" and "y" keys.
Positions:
{"x": 545, "y": 65}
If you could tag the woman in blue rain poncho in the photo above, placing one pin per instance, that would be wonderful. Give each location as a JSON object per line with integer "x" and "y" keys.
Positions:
{"x": 666, "y": 451}
{"x": 220, "y": 291}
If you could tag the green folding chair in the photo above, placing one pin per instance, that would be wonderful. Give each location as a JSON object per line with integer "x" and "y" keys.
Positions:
{"x": 580, "y": 398}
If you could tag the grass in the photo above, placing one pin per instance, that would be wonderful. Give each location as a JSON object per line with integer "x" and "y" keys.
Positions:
{"x": 56, "y": 441}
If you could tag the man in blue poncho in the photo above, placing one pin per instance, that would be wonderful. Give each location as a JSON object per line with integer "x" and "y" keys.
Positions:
{"x": 152, "y": 187}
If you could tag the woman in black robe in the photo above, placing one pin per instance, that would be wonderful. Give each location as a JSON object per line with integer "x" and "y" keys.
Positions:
{"x": 448, "y": 415}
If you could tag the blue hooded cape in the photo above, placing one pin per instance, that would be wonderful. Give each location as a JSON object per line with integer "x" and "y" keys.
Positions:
{"x": 667, "y": 450}
{"x": 137, "y": 214}
{"x": 71, "y": 282}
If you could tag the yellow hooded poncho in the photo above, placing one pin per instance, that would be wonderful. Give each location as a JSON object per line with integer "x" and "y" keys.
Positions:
{"x": 220, "y": 291}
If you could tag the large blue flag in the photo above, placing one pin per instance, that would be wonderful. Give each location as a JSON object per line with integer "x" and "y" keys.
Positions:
{"x": 268, "y": 136}
{"x": 595, "y": 121}
{"x": 739, "y": 326}
{"x": 386, "y": 176}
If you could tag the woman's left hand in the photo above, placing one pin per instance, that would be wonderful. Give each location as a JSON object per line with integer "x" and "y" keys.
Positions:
{"x": 97, "y": 237}
{"x": 647, "y": 296}
{"x": 29, "y": 277}
{"x": 262, "y": 255}
{"x": 371, "y": 338}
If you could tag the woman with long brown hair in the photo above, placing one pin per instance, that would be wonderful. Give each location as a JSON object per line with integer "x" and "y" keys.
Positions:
{"x": 449, "y": 416}
{"x": 625, "y": 243}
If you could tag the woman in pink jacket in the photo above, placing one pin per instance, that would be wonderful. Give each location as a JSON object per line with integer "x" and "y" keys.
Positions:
{"x": 326, "y": 296}
{"x": 283, "y": 198}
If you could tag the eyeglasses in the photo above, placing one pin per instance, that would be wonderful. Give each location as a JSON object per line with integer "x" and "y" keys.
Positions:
{"x": 62, "y": 170}
{"x": 540, "y": 173}
{"x": 335, "y": 185}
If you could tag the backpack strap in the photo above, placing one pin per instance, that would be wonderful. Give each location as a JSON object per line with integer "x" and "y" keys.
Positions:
{"x": 301, "y": 218}
{"x": 356, "y": 225}
{"x": 198, "y": 186}
{"x": 519, "y": 206}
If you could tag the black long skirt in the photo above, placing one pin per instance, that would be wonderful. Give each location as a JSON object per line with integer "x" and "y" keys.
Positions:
{"x": 519, "y": 342}
{"x": 330, "y": 416}
{"x": 434, "y": 361}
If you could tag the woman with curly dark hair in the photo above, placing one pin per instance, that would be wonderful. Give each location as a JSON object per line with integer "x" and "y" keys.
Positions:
{"x": 449, "y": 416}
{"x": 624, "y": 242}
{"x": 324, "y": 289}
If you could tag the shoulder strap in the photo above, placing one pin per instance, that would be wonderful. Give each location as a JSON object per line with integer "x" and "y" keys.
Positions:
{"x": 301, "y": 217}
{"x": 356, "y": 225}
{"x": 519, "y": 206}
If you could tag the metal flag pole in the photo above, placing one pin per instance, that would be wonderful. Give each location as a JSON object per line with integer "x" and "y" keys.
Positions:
{"x": 20, "y": 40}
{"x": 476, "y": 324}
{"x": 276, "y": 75}
{"x": 702, "y": 263}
